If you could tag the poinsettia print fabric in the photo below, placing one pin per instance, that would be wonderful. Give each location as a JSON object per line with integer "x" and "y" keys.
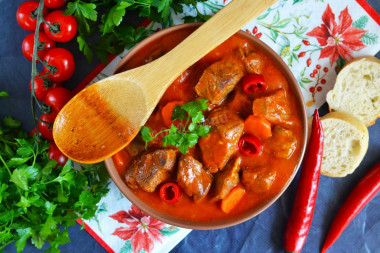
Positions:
{"x": 126, "y": 229}
{"x": 337, "y": 39}
{"x": 141, "y": 230}
{"x": 314, "y": 37}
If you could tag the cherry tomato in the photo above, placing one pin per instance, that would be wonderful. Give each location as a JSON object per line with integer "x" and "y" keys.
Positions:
{"x": 39, "y": 86}
{"x": 33, "y": 132}
{"x": 57, "y": 98}
{"x": 54, "y": 4}
{"x": 63, "y": 60}
{"x": 56, "y": 154}
{"x": 25, "y": 17}
{"x": 28, "y": 44}
{"x": 45, "y": 129}
{"x": 67, "y": 26}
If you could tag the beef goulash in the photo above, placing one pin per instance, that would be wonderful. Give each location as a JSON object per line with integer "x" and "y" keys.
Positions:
{"x": 237, "y": 126}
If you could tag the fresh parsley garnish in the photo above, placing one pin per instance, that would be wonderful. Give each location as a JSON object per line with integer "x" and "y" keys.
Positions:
{"x": 191, "y": 127}
{"x": 38, "y": 200}
{"x": 108, "y": 19}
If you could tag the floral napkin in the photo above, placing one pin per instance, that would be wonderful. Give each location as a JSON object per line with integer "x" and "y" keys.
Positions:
{"x": 314, "y": 37}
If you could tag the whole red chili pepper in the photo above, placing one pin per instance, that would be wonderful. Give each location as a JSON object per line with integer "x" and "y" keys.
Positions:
{"x": 302, "y": 212}
{"x": 363, "y": 192}
{"x": 253, "y": 83}
{"x": 250, "y": 145}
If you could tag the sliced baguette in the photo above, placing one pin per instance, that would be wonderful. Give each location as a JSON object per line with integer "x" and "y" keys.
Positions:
{"x": 357, "y": 89}
{"x": 345, "y": 143}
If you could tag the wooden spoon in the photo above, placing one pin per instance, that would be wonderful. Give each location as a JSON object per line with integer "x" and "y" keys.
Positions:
{"x": 106, "y": 116}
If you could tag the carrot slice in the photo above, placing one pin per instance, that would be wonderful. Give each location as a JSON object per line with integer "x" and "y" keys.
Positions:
{"x": 232, "y": 199}
{"x": 258, "y": 126}
{"x": 121, "y": 160}
{"x": 167, "y": 111}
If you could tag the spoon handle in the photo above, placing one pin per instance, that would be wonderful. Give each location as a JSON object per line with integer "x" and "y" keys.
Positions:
{"x": 215, "y": 31}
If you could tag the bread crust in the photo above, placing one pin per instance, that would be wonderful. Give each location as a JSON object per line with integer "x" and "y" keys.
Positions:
{"x": 366, "y": 57}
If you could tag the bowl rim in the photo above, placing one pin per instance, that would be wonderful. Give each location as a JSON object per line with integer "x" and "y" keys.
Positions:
{"x": 223, "y": 223}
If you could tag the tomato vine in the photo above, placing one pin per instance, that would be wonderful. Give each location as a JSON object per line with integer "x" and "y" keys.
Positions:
{"x": 38, "y": 14}
{"x": 34, "y": 100}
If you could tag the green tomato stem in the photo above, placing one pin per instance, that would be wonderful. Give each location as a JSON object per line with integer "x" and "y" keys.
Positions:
{"x": 34, "y": 63}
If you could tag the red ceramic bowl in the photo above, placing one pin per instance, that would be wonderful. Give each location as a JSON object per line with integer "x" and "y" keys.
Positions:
{"x": 148, "y": 44}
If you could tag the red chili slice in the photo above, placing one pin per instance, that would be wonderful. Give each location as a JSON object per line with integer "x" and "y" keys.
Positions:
{"x": 254, "y": 83}
{"x": 250, "y": 145}
{"x": 170, "y": 193}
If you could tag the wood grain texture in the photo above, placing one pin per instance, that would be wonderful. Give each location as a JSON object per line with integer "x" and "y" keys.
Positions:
{"x": 105, "y": 117}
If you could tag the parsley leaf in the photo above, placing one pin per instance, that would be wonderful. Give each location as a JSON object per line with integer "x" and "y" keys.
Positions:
{"x": 23, "y": 235}
{"x": 193, "y": 108}
{"x": 21, "y": 176}
{"x": 178, "y": 113}
{"x": 146, "y": 135}
{"x": 202, "y": 130}
{"x": 35, "y": 194}
{"x": 108, "y": 18}
{"x": 88, "y": 11}
{"x": 4, "y": 94}
{"x": 113, "y": 17}
{"x": 191, "y": 114}
{"x": 11, "y": 123}
{"x": 85, "y": 48}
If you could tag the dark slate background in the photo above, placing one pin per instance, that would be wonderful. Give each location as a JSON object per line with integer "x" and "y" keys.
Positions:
{"x": 261, "y": 234}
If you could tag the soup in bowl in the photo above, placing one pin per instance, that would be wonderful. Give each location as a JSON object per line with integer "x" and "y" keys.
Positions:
{"x": 224, "y": 141}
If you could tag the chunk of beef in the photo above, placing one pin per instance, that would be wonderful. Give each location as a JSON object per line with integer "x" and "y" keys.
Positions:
{"x": 240, "y": 103}
{"x": 275, "y": 107}
{"x": 254, "y": 62}
{"x": 283, "y": 142}
{"x": 221, "y": 143}
{"x": 226, "y": 179}
{"x": 219, "y": 79}
{"x": 149, "y": 170}
{"x": 136, "y": 146}
{"x": 129, "y": 175}
{"x": 192, "y": 178}
{"x": 257, "y": 179}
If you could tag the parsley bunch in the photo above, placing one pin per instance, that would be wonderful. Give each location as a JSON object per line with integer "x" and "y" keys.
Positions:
{"x": 191, "y": 127}
{"x": 106, "y": 17}
{"x": 37, "y": 199}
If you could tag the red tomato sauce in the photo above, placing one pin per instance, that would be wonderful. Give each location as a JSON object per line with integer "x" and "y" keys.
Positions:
{"x": 182, "y": 89}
